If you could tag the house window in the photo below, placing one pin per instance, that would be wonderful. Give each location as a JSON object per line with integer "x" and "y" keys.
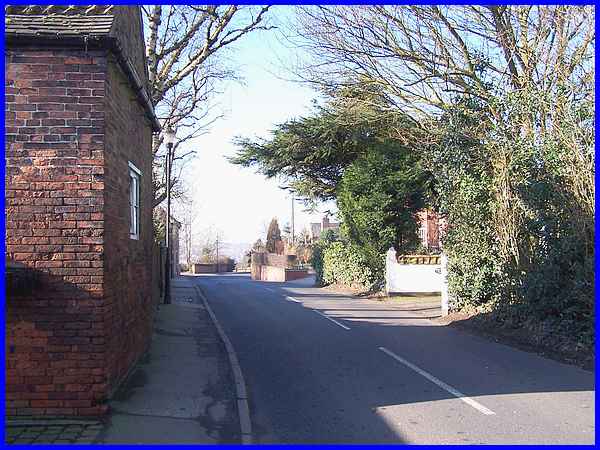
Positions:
{"x": 134, "y": 201}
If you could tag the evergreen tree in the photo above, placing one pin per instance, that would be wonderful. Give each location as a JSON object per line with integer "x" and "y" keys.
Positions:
{"x": 273, "y": 236}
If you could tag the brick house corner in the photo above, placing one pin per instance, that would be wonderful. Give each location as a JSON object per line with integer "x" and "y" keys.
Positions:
{"x": 78, "y": 188}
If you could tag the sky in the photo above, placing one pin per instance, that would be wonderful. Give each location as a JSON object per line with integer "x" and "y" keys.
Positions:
{"x": 234, "y": 200}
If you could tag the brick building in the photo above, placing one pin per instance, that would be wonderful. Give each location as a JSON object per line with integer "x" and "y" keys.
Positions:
{"x": 78, "y": 187}
{"x": 431, "y": 228}
{"x": 317, "y": 228}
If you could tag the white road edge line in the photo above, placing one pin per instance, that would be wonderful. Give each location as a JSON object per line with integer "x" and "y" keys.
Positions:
{"x": 240, "y": 383}
{"x": 292, "y": 299}
{"x": 269, "y": 289}
{"x": 333, "y": 320}
{"x": 468, "y": 400}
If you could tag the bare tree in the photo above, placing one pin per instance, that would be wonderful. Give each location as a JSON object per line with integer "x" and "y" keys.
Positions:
{"x": 186, "y": 55}
{"x": 425, "y": 56}
{"x": 186, "y": 210}
{"x": 209, "y": 242}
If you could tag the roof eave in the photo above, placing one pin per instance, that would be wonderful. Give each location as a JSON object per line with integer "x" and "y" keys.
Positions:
{"x": 89, "y": 41}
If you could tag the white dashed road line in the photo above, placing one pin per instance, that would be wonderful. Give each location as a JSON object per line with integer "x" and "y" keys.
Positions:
{"x": 333, "y": 320}
{"x": 469, "y": 401}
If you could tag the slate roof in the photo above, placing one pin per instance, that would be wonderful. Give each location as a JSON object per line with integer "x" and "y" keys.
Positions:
{"x": 58, "y": 20}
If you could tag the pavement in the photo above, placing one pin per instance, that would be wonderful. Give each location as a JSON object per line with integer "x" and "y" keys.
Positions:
{"x": 321, "y": 367}
{"x": 181, "y": 392}
{"x": 52, "y": 431}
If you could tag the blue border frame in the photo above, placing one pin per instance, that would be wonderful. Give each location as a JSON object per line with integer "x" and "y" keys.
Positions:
{"x": 597, "y": 200}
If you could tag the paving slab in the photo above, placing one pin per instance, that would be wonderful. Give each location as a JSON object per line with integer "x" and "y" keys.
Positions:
{"x": 182, "y": 391}
{"x": 51, "y": 431}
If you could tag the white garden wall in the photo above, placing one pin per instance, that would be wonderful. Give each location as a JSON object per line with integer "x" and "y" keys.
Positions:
{"x": 411, "y": 278}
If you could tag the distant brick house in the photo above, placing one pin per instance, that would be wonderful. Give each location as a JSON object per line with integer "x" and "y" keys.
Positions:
{"x": 431, "y": 228}
{"x": 78, "y": 190}
{"x": 430, "y": 225}
{"x": 317, "y": 228}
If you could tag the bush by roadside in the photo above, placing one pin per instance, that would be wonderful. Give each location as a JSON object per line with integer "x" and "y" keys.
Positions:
{"x": 339, "y": 262}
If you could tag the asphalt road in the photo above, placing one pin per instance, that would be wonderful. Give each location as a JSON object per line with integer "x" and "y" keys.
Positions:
{"x": 324, "y": 368}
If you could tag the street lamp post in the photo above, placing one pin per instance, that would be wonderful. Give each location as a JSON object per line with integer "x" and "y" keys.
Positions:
{"x": 169, "y": 138}
{"x": 293, "y": 222}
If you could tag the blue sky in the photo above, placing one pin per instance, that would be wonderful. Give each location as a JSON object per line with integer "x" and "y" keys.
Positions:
{"x": 232, "y": 199}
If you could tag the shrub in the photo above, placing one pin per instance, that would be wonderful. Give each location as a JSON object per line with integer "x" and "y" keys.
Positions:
{"x": 341, "y": 262}
{"x": 346, "y": 264}
{"x": 317, "y": 255}
{"x": 521, "y": 216}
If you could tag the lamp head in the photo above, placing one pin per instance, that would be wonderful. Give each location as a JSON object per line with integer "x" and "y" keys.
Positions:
{"x": 169, "y": 136}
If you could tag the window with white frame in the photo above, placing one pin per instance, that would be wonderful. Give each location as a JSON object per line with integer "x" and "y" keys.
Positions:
{"x": 134, "y": 201}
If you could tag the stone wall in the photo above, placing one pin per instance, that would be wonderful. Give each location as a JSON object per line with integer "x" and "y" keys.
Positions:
{"x": 211, "y": 267}
{"x": 276, "y": 260}
{"x": 257, "y": 260}
{"x": 280, "y": 274}
{"x": 295, "y": 274}
{"x": 272, "y": 273}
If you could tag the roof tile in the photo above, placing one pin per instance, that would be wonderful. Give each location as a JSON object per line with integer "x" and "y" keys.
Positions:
{"x": 58, "y": 20}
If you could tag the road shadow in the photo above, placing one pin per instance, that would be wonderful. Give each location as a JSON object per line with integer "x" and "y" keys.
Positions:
{"x": 541, "y": 340}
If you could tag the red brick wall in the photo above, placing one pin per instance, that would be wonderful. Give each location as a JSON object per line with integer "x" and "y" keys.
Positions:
{"x": 429, "y": 228}
{"x": 128, "y": 22}
{"x": 72, "y": 125}
{"x": 276, "y": 260}
{"x": 128, "y": 262}
{"x": 291, "y": 275}
{"x": 54, "y": 225}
